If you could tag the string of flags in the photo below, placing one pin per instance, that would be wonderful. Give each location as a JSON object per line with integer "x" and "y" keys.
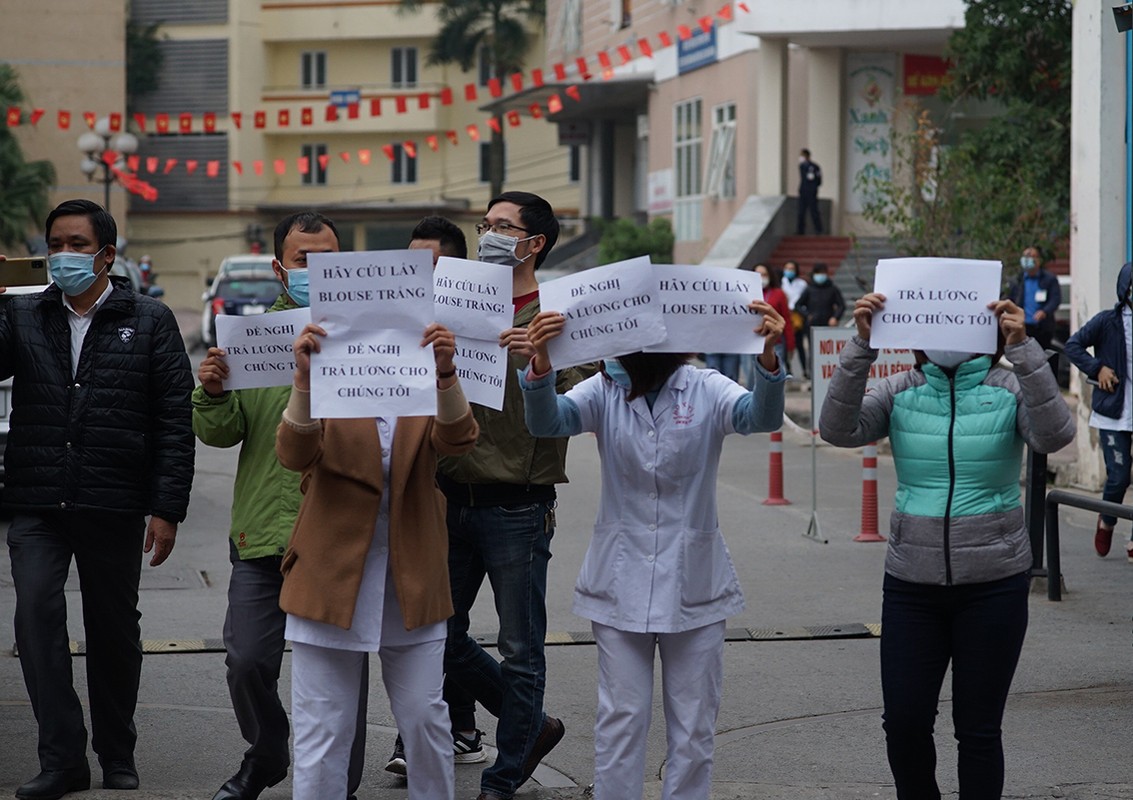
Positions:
{"x": 186, "y": 123}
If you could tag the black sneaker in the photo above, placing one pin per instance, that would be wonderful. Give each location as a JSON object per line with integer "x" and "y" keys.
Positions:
{"x": 396, "y": 763}
{"x": 467, "y": 750}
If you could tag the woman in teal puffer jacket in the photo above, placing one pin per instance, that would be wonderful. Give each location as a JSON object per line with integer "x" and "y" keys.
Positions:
{"x": 956, "y": 571}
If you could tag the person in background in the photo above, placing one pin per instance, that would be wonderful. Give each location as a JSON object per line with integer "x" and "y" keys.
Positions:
{"x": 794, "y": 285}
{"x": 657, "y": 575}
{"x": 100, "y": 439}
{"x": 1037, "y": 292}
{"x": 441, "y": 236}
{"x": 821, "y": 302}
{"x": 959, "y": 556}
{"x": 810, "y": 178}
{"x": 775, "y": 297}
{"x": 1110, "y": 368}
{"x": 265, "y": 500}
{"x": 727, "y": 364}
{"x": 366, "y": 570}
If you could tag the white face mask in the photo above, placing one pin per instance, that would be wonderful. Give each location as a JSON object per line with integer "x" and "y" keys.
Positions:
{"x": 495, "y": 248}
{"x": 766, "y": 281}
{"x": 948, "y": 359}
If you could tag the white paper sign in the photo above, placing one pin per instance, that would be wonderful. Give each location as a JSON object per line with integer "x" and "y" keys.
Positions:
{"x": 375, "y": 307}
{"x": 610, "y": 311}
{"x": 482, "y": 368}
{"x": 826, "y": 354}
{"x": 472, "y": 298}
{"x": 936, "y": 304}
{"x": 706, "y": 309}
{"x": 259, "y": 347}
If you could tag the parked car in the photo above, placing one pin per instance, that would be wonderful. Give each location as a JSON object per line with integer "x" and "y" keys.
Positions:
{"x": 240, "y": 293}
{"x": 246, "y": 262}
{"x": 126, "y": 268}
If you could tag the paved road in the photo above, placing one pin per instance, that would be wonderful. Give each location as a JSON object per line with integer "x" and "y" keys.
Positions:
{"x": 800, "y": 717}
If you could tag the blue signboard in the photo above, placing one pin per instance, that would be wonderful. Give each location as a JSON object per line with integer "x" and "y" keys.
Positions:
{"x": 698, "y": 50}
{"x": 345, "y": 97}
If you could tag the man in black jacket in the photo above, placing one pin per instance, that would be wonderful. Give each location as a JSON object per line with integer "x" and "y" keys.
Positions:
{"x": 100, "y": 438}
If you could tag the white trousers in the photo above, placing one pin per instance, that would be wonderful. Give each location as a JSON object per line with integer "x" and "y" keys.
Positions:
{"x": 692, "y": 673}
{"x": 324, "y": 707}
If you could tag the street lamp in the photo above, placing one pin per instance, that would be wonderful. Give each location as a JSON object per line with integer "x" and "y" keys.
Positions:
{"x": 105, "y": 149}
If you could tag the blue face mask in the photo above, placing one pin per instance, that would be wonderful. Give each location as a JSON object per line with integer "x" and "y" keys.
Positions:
{"x": 299, "y": 287}
{"x": 819, "y": 279}
{"x": 1027, "y": 262}
{"x": 73, "y": 272}
{"x": 789, "y": 274}
{"x": 616, "y": 372}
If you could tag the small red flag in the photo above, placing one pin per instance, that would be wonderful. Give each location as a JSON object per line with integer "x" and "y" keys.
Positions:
{"x": 684, "y": 32}
{"x": 410, "y": 148}
{"x": 423, "y": 101}
{"x": 536, "y": 111}
{"x": 494, "y": 87}
{"x": 470, "y": 92}
{"x": 115, "y": 122}
{"x": 284, "y": 122}
{"x": 452, "y": 137}
{"x": 537, "y": 77}
{"x": 446, "y": 96}
{"x": 280, "y": 166}
{"x": 624, "y": 54}
{"x": 306, "y": 116}
{"x": 210, "y": 122}
{"x": 63, "y": 119}
{"x": 583, "y": 70}
{"x": 304, "y": 165}
{"x": 513, "y": 119}
{"x": 645, "y": 48}
{"x": 152, "y": 163}
{"x": 401, "y": 104}
{"x": 133, "y": 163}
{"x": 190, "y": 165}
{"x": 705, "y": 24}
{"x": 494, "y": 124}
{"x": 170, "y": 163}
{"x": 89, "y": 119}
{"x": 743, "y": 7}
{"x": 258, "y": 167}
{"x": 36, "y": 115}
{"x": 261, "y": 119}
{"x": 665, "y": 39}
{"x": 517, "y": 81}
{"x": 140, "y": 121}
{"x": 431, "y": 140}
{"x": 238, "y": 166}
{"x": 324, "y": 159}
{"x": 573, "y": 93}
{"x": 345, "y": 156}
{"x": 725, "y": 13}
{"x": 604, "y": 60}
{"x": 13, "y": 116}
{"x": 554, "y": 104}
{"x": 161, "y": 121}
{"x": 375, "y": 108}
{"x": 185, "y": 122}
{"x": 212, "y": 169}
{"x": 473, "y": 133}
{"x": 388, "y": 150}
{"x": 560, "y": 72}
{"x": 364, "y": 156}
{"x": 237, "y": 119}
{"x": 332, "y": 114}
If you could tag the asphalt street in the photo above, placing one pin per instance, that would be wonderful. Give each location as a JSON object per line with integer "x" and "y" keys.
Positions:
{"x": 801, "y": 711}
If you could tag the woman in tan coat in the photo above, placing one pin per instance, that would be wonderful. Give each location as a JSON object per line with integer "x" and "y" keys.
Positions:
{"x": 367, "y": 570}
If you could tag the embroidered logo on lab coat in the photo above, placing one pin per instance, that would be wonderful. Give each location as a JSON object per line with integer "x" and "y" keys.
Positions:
{"x": 683, "y": 413}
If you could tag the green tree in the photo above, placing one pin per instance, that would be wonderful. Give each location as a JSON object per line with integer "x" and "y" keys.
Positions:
{"x": 624, "y": 238}
{"x": 1006, "y": 184}
{"x": 144, "y": 60}
{"x": 24, "y": 185}
{"x": 501, "y": 27}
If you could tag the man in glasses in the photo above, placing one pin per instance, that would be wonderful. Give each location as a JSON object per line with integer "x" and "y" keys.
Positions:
{"x": 501, "y": 500}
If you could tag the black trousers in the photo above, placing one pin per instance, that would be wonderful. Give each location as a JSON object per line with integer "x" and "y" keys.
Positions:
{"x": 107, "y": 549}
{"x": 979, "y": 629}
{"x": 808, "y": 202}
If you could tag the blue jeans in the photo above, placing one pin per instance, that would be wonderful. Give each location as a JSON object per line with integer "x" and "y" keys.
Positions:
{"x": 724, "y": 363}
{"x": 1116, "y": 447}
{"x": 979, "y": 628}
{"x": 511, "y": 545}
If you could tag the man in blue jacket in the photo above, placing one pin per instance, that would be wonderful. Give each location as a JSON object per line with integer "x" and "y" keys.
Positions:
{"x": 1109, "y": 334}
{"x": 1037, "y": 292}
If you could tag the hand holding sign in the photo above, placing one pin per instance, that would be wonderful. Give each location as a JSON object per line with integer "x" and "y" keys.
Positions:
{"x": 308, "y": 342}
{"x": 771, "y": 329}
{"x": 213, "y": 372}
{"x": 546, "y": 326}
{"x": 864, "y": 309}
{"x": 444, "y": 347}
{"x": 1012, "y": 320}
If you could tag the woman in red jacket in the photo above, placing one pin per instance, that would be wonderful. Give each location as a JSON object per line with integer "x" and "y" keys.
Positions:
{"x": 775, "y": 297}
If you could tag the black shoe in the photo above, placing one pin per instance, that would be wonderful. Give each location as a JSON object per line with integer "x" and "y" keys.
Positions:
{"x": 249, "y": 781}
{"x": 51, "y": 784}
{"x": 396, "y": 763}
{"x": 549, "y": 735}
{"x": 119, "y": 773}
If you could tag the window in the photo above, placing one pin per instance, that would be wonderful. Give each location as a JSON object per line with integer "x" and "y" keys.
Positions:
{"x": 316, "y": 172}
{"x": 403, "y": 169}
{"x": 687, "y": 144}
{"x": 575, "y": 169}
{"x": 403, "y": 67}
{"x": 486, "y": 162}
{"x": 622, "y": 13}
{"x": 720, "y": 177}
{"x": 313, "y": 71}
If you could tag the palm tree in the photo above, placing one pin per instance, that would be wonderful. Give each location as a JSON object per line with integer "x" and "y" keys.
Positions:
{"x": 24, "y": 185}
{"x": 503, "y": 28}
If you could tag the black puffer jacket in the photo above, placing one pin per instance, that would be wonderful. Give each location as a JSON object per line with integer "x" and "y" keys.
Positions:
{"x": 116, "y": 437}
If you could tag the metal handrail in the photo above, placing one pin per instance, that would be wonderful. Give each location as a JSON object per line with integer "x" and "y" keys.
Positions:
{"x": 1054, "y": 499}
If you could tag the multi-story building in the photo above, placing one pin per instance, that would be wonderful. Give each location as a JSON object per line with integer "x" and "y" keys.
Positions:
{"x": 280, "y": 96}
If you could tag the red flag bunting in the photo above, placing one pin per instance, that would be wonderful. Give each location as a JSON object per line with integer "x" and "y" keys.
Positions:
{"x": 743, "y": 7}
{"x": 517, "y": 81}
{"x": 306, "y": 116}
{"x": 665, "y": 39}
{"x": 410, "y": 148}
{"x": 401, "y": 104}
{"x": 324, "y": 159}
{"x": 63, "y": 119}
{"x": 284, "y": 118}
{"x": 554, "y": 104}
{"x": 452, "y": 137}
{"x": 115, "y": 122}
{"x": 423, "y": 101}
{"x": 560, "y": 72}
{"x": 170, "y": 163}
{"x": 332, "y": 114}
{"x": 388, "y": 150}
{"x": 36, "y": 115}
{"x": 210, "y": 122}
{"x": 624, "y": 54}
{"x": 303, "y": 163}
{"x": 185, "y": 123}
{"x": 13, "y": 116}
{"x": 573, "y": 93}
{"x": 494, "y": 88}
{"x": 364, "y": 156}
{"x": 190, "y": 165}
{"x": 162, "y": 123}
{"x": 89, "y": 119}
{"x": 375, "y": 108}
{"x": 261, "y": 119}
{"x": 513, "y": 119}
{"x": 140, "y": 121}
{"x": 583, "y": 70}
{"x": 470, "y": 92}
{"x": 280, "y": 166}
{"x": 212, "y": 169}
{"x": 705, "y": 24}
{"x": 258, "y": 167}
{"x": 494, "y": 124}
{"x": 537, "y": 77}
{"x": 473, "y": 133}
{"x": 238, "y": 166}
{"x": 431, "y": 140}
{"x": 151, "y": 163}
{"x": 604, "y": 60}
{"x": 645, "y": 48}
{"x": 345, "y": 156}
{"x": 536, "y": 111}
{"x": 237, "y": 120}
{"x": 446, "y": 96}
{"x": 133, "y": 162}
{"x": 684, "y": 32}
{"x": 725, "y": 12}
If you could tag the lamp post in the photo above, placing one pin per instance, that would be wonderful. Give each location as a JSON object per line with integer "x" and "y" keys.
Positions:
{"x": 102, "y": 148}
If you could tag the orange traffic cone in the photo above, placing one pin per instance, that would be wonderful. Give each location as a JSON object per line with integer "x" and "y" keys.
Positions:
{"x": 869, "y": 496}
{"x": 775, "y": 473}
